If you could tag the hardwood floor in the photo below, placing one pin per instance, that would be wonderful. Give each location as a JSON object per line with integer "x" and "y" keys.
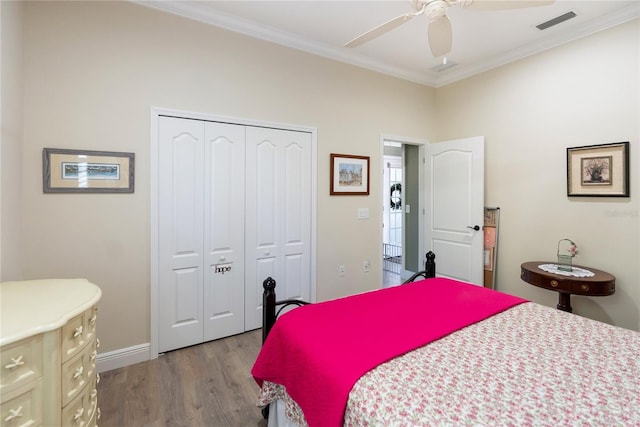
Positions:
{"x": 204, "y": 385}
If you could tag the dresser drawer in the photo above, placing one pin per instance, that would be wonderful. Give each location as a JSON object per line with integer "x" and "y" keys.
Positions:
{"x": 77, "y": 372}
{"x": 82, "y": 409}
{"x": 21, "y": 362}
{"x": 91, "y": 320}
{"x": 24, "y": 408}
{"x": 78, "y": 332}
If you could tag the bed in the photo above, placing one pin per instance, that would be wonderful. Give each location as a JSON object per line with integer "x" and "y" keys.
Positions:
{"x": 441, "y": 352}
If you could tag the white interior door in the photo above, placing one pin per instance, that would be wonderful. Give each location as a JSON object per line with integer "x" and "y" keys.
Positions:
{"x": 224, "y": 153}
{"x": 278, "y": 216}
{"x": 180, "y": 237}
{"x": 455, "y": 204}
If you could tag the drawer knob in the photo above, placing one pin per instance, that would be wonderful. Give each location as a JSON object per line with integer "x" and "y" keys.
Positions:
{"x": 584, "y": 287}
{"x": 78, "y": 372}
{"x": 78, "y": 331}
{"x": 14, "y": 413}
{"x": 554, "y": 283}
{"x": 78, "y": 414}
{"x": 15, "y": 362}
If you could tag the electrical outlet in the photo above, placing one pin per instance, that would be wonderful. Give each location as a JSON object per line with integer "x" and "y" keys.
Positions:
{"x": 341, "y": 270}
{"x": 366, "y": 265}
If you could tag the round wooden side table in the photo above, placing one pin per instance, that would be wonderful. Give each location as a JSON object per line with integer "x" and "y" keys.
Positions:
{"x": 600, "y": 284}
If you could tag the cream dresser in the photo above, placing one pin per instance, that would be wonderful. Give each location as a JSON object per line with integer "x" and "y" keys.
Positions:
{"x": 48, "y": 351}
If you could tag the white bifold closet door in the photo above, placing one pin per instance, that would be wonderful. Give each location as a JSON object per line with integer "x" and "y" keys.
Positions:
{"x": 234, "y": 208}
{"x": 278, "y": 215}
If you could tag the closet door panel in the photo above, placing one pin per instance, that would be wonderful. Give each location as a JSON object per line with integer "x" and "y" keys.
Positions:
{"x": 180, "y": 237}
{"x": 224, "y": 230}
{"x": 186, "y": 300}
{"x": 294, "y": 272}
{"x": 262, "y": 209}
{"x": 267, "y": 194}
{"x": 297, "y": 214}
{"x": 278, "y": 215}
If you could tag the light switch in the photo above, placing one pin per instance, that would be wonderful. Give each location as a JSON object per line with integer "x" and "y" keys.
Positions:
{"x": 407, "y": 208}
{"x": 363, "y": 213}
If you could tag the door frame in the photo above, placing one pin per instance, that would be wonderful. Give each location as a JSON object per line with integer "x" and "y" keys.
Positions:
{"x": 156, "y": 113}
{"x": 422, "y": 193}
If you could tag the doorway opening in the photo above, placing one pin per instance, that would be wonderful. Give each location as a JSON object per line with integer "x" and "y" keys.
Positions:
{"x": 402, "y": 184}
{"x": 392, "y": 219}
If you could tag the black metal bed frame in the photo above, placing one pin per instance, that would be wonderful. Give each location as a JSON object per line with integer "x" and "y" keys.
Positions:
{"x": 272, "y": 308}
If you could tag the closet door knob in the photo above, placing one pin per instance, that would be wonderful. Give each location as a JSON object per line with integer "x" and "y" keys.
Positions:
{"x": 222, "y": 258}
{"x": 475, "y": 227}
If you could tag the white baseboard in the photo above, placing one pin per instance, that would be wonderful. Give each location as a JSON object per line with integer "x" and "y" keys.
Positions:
{"x": 122, "y": 357}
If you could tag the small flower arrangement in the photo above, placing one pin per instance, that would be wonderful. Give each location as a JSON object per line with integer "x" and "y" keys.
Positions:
{"x": 567, "y": 249}
{"x": 573, "y": 249}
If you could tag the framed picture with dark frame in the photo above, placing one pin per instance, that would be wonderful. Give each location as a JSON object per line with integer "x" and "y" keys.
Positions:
{"x": 349, "y": 175}
{"x": 598, "y": 170}
{"x": 83, "y": 171}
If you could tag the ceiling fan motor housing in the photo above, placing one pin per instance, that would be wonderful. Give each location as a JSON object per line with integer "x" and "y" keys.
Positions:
{"x": 435, "y": 9}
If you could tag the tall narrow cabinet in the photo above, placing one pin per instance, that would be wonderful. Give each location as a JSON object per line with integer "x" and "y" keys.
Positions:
{"x": 48, "y": 350}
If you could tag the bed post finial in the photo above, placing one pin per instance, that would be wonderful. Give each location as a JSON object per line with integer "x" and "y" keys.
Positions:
{"x": 268, "y": 306}
{"x": 430, "y": 265}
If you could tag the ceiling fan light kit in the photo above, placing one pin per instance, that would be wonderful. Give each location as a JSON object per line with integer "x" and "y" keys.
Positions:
{"x": 439, "y": 30}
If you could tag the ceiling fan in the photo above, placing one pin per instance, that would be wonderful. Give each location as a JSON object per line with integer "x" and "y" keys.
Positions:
{"x": 439, "y": 28}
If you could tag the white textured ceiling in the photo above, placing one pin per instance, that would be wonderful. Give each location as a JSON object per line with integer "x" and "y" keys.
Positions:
{"x": 482, "y": 39}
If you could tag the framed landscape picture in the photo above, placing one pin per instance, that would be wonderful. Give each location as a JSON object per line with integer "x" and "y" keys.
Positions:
{"x": 349, "y": 175}
{"x": 81, "y": 171}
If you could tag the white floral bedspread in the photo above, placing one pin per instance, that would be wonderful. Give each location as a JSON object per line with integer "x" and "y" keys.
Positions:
{"x": 530, "y": 365}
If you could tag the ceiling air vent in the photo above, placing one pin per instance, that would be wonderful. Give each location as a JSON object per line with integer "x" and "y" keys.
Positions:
{"x": 557, "y": 20}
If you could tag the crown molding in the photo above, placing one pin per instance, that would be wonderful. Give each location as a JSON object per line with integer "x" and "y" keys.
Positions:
{"x": 233, "y": 23}
{"x": 196, "y": 11}
{"x": 593, "y": 26}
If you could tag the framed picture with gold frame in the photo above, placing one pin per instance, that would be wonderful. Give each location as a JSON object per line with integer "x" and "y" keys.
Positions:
{"x": 83, "y": 171}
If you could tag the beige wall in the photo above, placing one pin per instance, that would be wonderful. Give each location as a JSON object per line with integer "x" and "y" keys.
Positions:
{"x": 11, "y": 137}
{"x": 583, "y": 93}
{"x": 92, "y": 72}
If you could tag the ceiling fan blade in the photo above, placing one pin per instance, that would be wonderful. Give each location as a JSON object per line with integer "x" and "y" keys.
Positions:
{"x": 440, "y": 36}
{"x": 504, "y": 4}
{"x": 380, "y": 30}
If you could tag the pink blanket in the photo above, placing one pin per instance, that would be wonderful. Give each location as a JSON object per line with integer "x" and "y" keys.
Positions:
{"x": 319, "y": 351}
